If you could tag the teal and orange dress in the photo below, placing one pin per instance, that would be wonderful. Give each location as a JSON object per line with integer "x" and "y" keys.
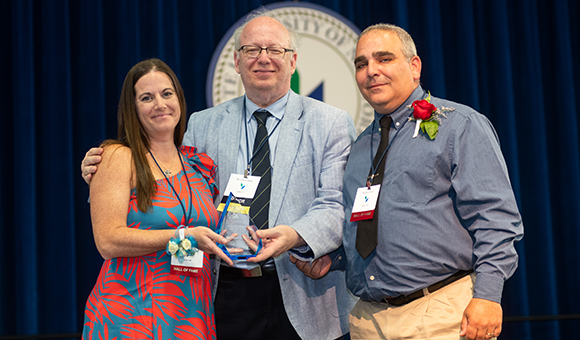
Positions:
{"x": 138, "y": 297}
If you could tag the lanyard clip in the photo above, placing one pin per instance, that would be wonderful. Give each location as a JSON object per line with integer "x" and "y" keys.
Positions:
{"x": 370, "y": 181}
{"x": 246, "y": 172}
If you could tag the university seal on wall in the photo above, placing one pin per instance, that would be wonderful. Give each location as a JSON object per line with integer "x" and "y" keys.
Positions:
{"x": 324, "y": 69}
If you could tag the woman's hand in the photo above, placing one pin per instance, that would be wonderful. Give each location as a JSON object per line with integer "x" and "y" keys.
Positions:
{"x": 207, "y": 239}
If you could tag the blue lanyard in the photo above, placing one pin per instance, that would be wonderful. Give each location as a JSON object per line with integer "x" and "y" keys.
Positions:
{"x": 187, "y": 216}
{"x": 248, "y": 141}
{"x": 373, "y": 167}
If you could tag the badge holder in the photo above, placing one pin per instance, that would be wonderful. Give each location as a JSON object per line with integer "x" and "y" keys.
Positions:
{"x": 365, "y": 202}
{"x": 233, "y": 257}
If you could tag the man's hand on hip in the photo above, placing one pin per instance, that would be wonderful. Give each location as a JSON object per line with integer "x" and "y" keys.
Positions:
{"x": 481, "y": 320}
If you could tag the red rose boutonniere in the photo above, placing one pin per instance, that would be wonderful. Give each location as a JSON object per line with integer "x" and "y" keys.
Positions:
{"x": 427, "y": 116}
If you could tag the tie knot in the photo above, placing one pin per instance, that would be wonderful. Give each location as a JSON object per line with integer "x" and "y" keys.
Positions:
{"x": 261, "y": 116}
{"x": 385, "y": 122}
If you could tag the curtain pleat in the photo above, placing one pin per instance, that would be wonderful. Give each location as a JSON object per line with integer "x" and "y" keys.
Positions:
{"x": 62, "y": 70}
{"x": 21, "y": 243}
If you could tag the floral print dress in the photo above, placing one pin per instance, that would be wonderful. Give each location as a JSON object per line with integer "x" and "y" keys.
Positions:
{"x": 138, "y": 297}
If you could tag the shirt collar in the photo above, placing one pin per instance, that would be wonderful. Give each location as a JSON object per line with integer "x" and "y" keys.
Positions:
{"x": 402, "y": 114}
{"x": 277, "y": 109}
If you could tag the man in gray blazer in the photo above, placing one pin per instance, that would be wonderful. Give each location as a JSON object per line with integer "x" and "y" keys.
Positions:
{"x": 267, "y": 297}
{"x": 309, "y": 144}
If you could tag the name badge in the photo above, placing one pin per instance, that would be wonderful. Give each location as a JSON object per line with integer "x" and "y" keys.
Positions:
{"x": 244, "y": 189}
{"x": 191, "y": 265}
{"x": 365, "y": 203}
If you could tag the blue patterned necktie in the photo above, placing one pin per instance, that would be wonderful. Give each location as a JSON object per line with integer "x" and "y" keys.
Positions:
{"x": 260, "y": 206}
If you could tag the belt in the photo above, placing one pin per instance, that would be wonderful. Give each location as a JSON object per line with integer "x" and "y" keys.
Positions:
{"x": 264, "y": 270}
{"x": 405, "y": 299}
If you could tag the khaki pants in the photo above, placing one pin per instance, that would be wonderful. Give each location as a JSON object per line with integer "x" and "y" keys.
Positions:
{"x": 436, "y": 316}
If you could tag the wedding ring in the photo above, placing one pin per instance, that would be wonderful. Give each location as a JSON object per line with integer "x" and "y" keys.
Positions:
{"x": 489, "y": 334}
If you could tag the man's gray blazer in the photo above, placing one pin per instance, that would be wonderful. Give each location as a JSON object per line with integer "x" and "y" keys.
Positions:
{"x": 311, "y": 153}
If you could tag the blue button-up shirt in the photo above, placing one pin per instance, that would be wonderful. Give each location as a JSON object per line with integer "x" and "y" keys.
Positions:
{"x": 250, "y": 128}
{"x": 445, "y": 205}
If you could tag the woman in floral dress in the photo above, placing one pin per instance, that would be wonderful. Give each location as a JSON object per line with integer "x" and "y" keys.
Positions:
{"x": 147, "y": 188}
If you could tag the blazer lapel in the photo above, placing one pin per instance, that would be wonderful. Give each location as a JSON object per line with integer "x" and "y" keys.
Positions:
{"x": 230, "y": 129}
{"x": 286, "y": 149}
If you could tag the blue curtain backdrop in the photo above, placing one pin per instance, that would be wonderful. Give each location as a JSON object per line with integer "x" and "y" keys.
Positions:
{"x": 64, "y": 62}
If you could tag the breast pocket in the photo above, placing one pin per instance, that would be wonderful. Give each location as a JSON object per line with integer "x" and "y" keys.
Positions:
{"x": 411, "y": 179}
{"x": 303, "y": 172}
{"x": 303, "y": 159}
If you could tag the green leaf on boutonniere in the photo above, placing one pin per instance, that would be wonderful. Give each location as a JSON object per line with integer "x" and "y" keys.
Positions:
{"x": 431, "y": 128}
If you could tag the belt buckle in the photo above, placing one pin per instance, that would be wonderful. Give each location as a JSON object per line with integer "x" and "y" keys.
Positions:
{"x": 254, "y": 272}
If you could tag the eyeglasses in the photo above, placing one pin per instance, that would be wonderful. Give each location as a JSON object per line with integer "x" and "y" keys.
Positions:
{"x": 253, "y": 51}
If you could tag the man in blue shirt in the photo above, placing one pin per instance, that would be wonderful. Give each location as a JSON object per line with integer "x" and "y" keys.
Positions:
{"x": 446, "y": 218}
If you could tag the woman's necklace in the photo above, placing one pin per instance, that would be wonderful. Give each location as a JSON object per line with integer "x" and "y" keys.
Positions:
{"x": 167, "y": 171}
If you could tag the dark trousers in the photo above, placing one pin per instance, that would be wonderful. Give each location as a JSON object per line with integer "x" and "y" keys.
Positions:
{"x": 251, "y": 308}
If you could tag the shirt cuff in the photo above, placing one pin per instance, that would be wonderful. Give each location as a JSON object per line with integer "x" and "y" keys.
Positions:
{"x": 302, "y": 253}
{"x": 488, "y": 287}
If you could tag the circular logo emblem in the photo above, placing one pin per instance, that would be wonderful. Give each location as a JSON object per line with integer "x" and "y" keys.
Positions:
{"x": 324, "y": 69}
